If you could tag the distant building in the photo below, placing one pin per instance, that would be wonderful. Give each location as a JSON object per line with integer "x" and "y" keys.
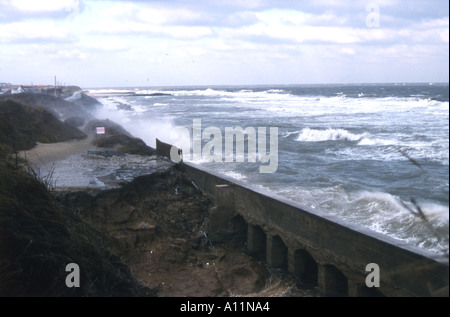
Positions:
{"x": 61, "y": 91}
{"x": 17, "y": 90}
{"x": 32, "y": 89}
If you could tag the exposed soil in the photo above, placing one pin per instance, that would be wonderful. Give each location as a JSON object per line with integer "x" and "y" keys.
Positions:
{"x": 158, "y": 224}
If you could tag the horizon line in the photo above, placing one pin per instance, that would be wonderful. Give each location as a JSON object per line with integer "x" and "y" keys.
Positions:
{"x": 272, "y": 85}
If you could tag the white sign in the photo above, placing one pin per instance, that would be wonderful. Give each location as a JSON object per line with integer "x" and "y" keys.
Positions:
{"x": 100, "y": 130}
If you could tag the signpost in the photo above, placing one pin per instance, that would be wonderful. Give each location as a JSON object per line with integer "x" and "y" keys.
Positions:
{"x": 99, "y": 130}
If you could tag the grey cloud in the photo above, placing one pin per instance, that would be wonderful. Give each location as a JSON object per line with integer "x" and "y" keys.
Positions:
{"x": 10, "y": 13}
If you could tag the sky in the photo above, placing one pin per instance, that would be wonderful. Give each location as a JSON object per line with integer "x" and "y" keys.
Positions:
{"x": 92, "y": 43}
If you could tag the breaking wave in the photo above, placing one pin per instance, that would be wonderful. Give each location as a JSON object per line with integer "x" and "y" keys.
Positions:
{"x": 312, "y": 135}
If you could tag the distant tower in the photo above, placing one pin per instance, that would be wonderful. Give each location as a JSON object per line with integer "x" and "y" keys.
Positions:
{"x": 55, "y": 85}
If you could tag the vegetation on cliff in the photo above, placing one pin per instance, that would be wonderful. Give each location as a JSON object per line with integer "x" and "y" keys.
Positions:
{"x": 38, "y": 239}
{"x": 22, "y": 125}
{"x": 117, "y": 137}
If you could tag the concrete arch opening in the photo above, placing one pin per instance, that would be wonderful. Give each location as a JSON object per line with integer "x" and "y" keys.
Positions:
{"x": 239, "y": 228}
{"x": 305, "y": 268}
{"x": 256, "y": 242}
{"x": 332, "y": 282}
{"x": 277, "y": 255}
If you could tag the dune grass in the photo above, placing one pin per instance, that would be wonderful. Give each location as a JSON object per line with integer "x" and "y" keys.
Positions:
{"x": 38, "y": 240}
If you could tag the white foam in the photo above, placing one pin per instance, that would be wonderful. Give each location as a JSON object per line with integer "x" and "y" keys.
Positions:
{"x": 435, "y": 212}
{"x": 75, "y": 96}
{"x": 378, "y": 211}
{"x": 139, "y": 108}
{"x": 313, "y": 135}
{"x": 107, "y": 91}
{"x": 288, "y": 134}
{"x": 146, "y": 128}
{"x": 235, "y": 175}
{"x": 376, "y": 141}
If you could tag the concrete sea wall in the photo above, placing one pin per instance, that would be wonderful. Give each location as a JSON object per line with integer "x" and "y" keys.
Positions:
{"x": 319, "y": 248}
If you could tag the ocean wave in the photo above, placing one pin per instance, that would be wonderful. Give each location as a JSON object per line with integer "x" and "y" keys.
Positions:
{"x": 103, "y": 92}
{"x": 312, "y": 135}
{"x": 376, "y": 141}
{"x": 139, "y": 108}
{"x": 378, "y": 211}
{"x": 364, "y": 139}
{"x": 279, "y": 100}
{"x": 276, "y": 91}
{"x": 199, "y": 92}
{"x": 234, "y": 175}
{"x": 243, "y": 93}
{"x": 288, "y": 134}
{"x": 389, "y": 215}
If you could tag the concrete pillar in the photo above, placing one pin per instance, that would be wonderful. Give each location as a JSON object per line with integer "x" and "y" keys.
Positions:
{"x": 331, "y": 281}
{"x": 353, "y": 289}
{"x": 277, "y": 253}
{"x": 292, "y": 263}
{"x": 297, "y": 262}
{"x": 219, "y": 223}
{"x": 356, "y": 289}
{"x": 256, "y": 242}
{"x": 224, "y": 197}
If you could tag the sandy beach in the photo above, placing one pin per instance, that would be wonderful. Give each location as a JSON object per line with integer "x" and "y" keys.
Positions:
{"x": 44, "y": 154}
{"x": 81, "y": 165}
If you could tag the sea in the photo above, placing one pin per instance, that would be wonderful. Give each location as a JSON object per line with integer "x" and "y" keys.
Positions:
{"x": 376, "y": 155}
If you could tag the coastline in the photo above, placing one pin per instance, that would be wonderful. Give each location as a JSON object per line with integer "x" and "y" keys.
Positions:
{"x": 152, "y": 218}
{"x": 153, "y": 214}
{"x": 179, "y": 263}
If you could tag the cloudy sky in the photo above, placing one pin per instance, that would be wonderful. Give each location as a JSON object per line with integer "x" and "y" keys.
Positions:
{"x": 94, "y": 43}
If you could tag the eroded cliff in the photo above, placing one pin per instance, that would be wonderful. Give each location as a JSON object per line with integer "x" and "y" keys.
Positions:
{"x": 158, "y": 224}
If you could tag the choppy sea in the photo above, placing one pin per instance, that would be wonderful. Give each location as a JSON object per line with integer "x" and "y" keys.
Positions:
{"x": 376, "y": 155}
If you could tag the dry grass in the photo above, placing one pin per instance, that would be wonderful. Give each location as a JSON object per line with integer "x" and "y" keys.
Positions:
{"x": 38, "y": 240}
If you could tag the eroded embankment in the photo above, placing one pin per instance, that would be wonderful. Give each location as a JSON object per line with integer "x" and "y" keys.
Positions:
{"x": 158, "y": 224}
{"x": 38, "y": 241}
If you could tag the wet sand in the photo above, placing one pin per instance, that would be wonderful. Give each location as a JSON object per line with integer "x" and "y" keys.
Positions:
{"x": 81, "y": 165}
